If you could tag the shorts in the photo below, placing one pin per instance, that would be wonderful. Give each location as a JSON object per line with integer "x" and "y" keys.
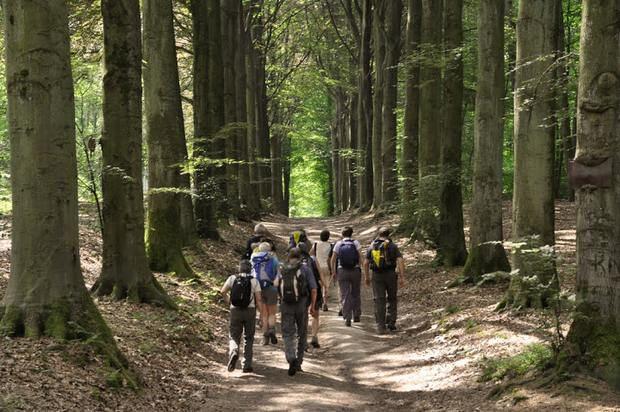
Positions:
{"x": 270, "y": 295}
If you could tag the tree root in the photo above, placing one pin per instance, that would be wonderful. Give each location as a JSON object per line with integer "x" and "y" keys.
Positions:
{"x": 148, "y": 290}
{"x": 68, "y": 320}
{"x": 482, "y": 259}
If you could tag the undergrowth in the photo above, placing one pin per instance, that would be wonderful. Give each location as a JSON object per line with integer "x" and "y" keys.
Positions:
{"x": 535, "y": 358}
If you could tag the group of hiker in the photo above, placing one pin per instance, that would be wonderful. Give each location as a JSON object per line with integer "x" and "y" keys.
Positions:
{"x": 301, "y": 286}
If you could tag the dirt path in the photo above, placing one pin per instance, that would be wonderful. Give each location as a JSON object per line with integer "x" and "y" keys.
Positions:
{"x": 341, "y": 375}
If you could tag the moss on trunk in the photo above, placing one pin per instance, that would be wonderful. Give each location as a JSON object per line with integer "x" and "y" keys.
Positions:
{"x": 142, "y": 289}
{"x": 482, "y": 259}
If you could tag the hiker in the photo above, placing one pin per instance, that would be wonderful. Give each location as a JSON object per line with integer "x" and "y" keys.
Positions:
{"x": 298, "y": 290}
{"x": 322, "y": 251}
{"x": 384, "y": 258}
{"x": 345, "y": 263}
{"x": 298, "y": 236}
{"x": 261, "y": 234}
{"x": 310, "y": 262}
{"x": 265, "y": 269}
{"x": 243, "y": 294}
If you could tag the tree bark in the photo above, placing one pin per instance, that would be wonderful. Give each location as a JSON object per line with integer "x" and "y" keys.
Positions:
{"x": 125, "y": 272}
{"x": 452, "y": 248}
{"x": 165, "y": 137}
{"x": 251, "y": 93}
{"x": 229, "y": 11}
{"x": 533, "y": 203}
{"x": 430, "y": 89}
{"x": 412, "y": 106}
{"x": 204, "y": 180}
{"x": 46, "y": 295}
{"x": 377, "y": 113}
{"x": 262, "y": 119}
{"x": 595, "y": 333}
{"x": 486, "y": 206}
{"x": 275, "y": 146}
{"x": 364, "y": 128}
{"x": 393, "y": 17}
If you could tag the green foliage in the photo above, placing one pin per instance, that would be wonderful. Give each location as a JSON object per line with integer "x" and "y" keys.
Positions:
{"x": 536, "y": 357}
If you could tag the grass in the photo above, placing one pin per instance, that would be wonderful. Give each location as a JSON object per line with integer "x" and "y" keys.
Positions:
{"x": 536, "y": 357}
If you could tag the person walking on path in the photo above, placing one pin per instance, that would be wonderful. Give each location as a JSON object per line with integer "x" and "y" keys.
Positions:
{"x": 298, "y": 291}
{"x": 310, "y": 262}
{"x": 265, "y": 269}
{"x": 261, "y": 235}
{"x": 384, "y": 259}
{"x": 243, "y": 294}
{"x": 346, "y": 264}
{"x": 322, "y": 251}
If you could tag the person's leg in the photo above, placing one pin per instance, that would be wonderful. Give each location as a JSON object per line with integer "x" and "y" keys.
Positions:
{"x": 344, "y": 281}
{"x": 327, "y": 280}
{"x": 272, "y": 310}
{"x": 249, "y": 327}
{"x": 289, "y": 331}
{"x": 315, "y": 326}
{"x": 356, "y": 297}
{"x": 235, "y": 327}
{"x": 391, "y": 283}
{"x": 378, "y": 284}
{"x": 301, "y": 320}
{"x": 264, "y": 319}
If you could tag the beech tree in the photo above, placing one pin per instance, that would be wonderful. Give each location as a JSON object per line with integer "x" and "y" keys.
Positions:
{"x": 46, "y": 295}
{"x": 125, "y": 272}
{"x": 595, "y": 333}
{"x": 378, "y": 99}
{"x": 487, "y": 254}
{"x": 165, "y": 137}
{"x": 452, "y": 250}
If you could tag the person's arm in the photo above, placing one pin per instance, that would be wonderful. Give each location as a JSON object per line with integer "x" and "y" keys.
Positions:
{"x": 313, "y": 296}
{"x": 258, "y": 301}
{"x": 400, "y": 262}
{"x": 313, "y": 250}
{"x": 367, "y": 275}
{"x": 333, "y": 263}
{"x": 224, "y": 291}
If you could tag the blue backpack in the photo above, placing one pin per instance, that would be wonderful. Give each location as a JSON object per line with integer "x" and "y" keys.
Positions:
{"x": 264, "y": 268}
{"x": 348, "y": 255}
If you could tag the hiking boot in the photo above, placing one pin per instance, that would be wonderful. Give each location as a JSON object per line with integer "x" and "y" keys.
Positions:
{"x": 325, "y": 307}
{"x": 273, "y": 338}
{"x": 347, "y": 322}
{"x": 357, "y": 319}
{"x": 265, "y": 340}
{"x": 340, "y": 312}
{"x": 299, "y": 368}
{"x": 248, "y": 369}
{"x": 381, "y": 331}
{"x": 292, "y": 368}
{"x": 232, "y": 362}
{"x": 315, "y": 342}
{"x": 392, "y": 328}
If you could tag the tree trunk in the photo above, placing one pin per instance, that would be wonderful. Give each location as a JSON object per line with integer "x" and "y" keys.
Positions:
{"x": 206, "y": 189}
{"x": 452, "y": 248}
{"x": 364, "y": 127}
{"x": 250, "y": 97}
{"x": 275, "y": 146}
{"x": 286, "y": 171}
{"x": 262, "y": 119}
{"x": 248, "y": 196}
{"x": 377, "y": 113}
{"x": 46, "y": 295}
{"x": 125, "y": 272}
{"x": 486, "y": 206}
{"x": 595, "y": 332}
{"x": 393, "y": 16}
{"x": 353, "y": 144}
{"x": 229, "y": 46}
{"x": 412, "y": 107}
{"x": 430, "y": 89}
{"x": 335, "y": 164}
{"x": 165, "y": 137}
{"x": 533, "y": 203}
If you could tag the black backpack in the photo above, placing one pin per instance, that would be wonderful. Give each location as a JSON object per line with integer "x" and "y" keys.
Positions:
{"x": 348, "y": 255}
{"x": 241, "y": 291}
{"x": 293, "y": 284}
{"x": 380, "y": 256}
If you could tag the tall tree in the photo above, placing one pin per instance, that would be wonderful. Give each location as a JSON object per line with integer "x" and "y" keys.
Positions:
{"x": 125, "y": 272}
{"x": 595, "y": 332}
{"x": 486, "y": 252}
{"x": 46, "y": 295}
{"x": 165, "y": 137}
{"x": 204, "y": 127}
{"x": 364, "y": 109}
{"x": 393, "y": 17}
{"x": 534, "y": 135}
{"x": 251, "y": 112}
{"x": 452, "y": 248}
{"x": 378, "y": 88}
{"x": 412, "y": 105}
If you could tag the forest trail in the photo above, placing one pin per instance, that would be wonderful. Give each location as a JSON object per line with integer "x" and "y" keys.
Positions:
{"x": 354, "y": 369}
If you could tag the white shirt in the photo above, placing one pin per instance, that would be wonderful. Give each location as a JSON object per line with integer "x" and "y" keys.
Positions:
{"x": 255, "y": 287}
{"x": 322, "y": 250}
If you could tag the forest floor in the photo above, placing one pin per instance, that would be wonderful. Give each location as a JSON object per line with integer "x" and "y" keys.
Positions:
{"x": 434, "y": 362}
